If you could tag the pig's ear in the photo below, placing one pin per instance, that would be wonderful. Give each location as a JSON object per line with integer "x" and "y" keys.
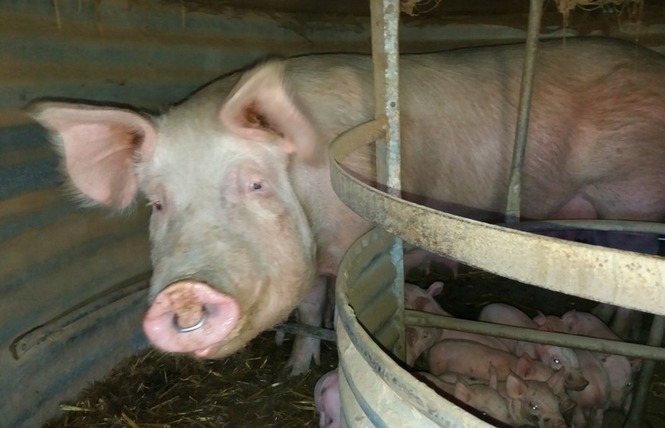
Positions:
{"x": 541, "y": 351}
{"x": 435, "y": 288}
{"x": 540, "y": 319}
{"x": 494, "y": 377}
{"x": 516, "y": 388}
{"x": 557, "y": 380}
{"x": 99, "y": 146}
{"x": 463, "y": 391}
{"x": 260, "y": 108}
{"x": 566, "y": 405}
{"x": 411, "y": 336}
{"x": 524, "y": 365}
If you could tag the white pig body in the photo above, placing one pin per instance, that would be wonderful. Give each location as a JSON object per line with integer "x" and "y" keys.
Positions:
{"x": 246, "y": 226}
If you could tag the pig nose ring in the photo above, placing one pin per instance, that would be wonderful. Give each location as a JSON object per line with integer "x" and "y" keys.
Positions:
{"x": 196, "y": 326}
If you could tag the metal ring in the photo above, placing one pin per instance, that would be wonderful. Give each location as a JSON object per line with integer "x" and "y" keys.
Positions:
{"x": 199, "y": 323}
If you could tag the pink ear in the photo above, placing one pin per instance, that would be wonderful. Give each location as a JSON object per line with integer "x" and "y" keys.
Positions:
{"x": 516, "y": 388}
{"x": 99, "y": 145}
{"x": 557, "y": 380}
{"x": 259, "y": 108}
{"x": 463, "y": 391}
{"x": 524, "y": 365}
{"x": 494, "y": 377}
{"x": 570, "y": 320}
{"x": 411, "y": 336}
{"x": 542, "y": 352}
{"x": 540, "y": 319}
{"x": 435, "y": 288}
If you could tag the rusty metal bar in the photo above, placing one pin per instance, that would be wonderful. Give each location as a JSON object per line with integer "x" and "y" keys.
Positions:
{"x": 424, "y": 319}
{"x": 385, "y": 56}
{"x": 307, "y": 330}
{"x": 526, "y": 89}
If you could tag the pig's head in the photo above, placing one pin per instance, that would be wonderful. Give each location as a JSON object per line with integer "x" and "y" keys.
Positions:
{"x": 423, "y": 300}
{"x": 528, "y": 368}
{"x": 566, "y": 359}
{"x": 419, "y": 340}
{"x": 534, "y": 403}
{"x": 232, "y": 249}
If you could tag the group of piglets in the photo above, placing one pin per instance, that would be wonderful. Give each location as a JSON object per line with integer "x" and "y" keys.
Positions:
{"x": 517, "y": 382}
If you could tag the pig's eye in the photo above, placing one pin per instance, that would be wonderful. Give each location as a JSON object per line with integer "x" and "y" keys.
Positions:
{"x": 156, "y": 205}
{"x": 533, "y": 407}
{"x": 257, "y": 184}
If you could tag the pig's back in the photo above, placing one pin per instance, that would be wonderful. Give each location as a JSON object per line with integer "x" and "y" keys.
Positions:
{"x": 458, "y": 112}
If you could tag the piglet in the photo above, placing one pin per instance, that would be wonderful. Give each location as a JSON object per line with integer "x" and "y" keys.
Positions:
{"x": 594, "y": 399}
{"x": 419, "y": 339}
{"x": 556, "y": 356}
{"x": 620, "y": 370}
{"x": 482, "y": 397}
{"x": 536, "y": 403}
{"x": 326, "y": 397}
{"x": 474, "y": 359}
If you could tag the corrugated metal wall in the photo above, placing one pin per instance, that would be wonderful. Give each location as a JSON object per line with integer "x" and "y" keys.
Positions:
{"x": 72, "y": 281}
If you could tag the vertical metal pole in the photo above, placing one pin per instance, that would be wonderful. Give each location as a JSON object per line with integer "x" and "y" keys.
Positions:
{"x": 634, "y": 419}
{"x": 515, "y": 185}
{"x": 385, "y": 54}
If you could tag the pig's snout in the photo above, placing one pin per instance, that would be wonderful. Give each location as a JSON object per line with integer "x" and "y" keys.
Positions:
{"x": 192, "y": 317}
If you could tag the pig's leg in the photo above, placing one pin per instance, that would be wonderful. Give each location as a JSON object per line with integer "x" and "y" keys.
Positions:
{"x": 329, "y": 311}
{"x": 310, "y": 312}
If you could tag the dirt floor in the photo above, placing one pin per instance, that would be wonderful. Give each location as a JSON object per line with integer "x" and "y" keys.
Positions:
{"x": 251, "y": 389}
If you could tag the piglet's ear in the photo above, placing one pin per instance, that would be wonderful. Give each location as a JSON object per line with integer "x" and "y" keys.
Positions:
{"x": 98, "y": 146}
{"x": 557, "y": 381}
{"x": 516, "y": 388}
{"x": 435, "y": 288}
{"x": 259, "y": 108}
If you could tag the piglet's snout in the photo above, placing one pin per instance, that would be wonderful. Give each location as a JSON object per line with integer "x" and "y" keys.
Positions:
{"x": 191, "y": 316}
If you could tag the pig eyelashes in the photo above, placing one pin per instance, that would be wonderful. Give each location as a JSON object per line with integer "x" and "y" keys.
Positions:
{"x": 156, "y": 204}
